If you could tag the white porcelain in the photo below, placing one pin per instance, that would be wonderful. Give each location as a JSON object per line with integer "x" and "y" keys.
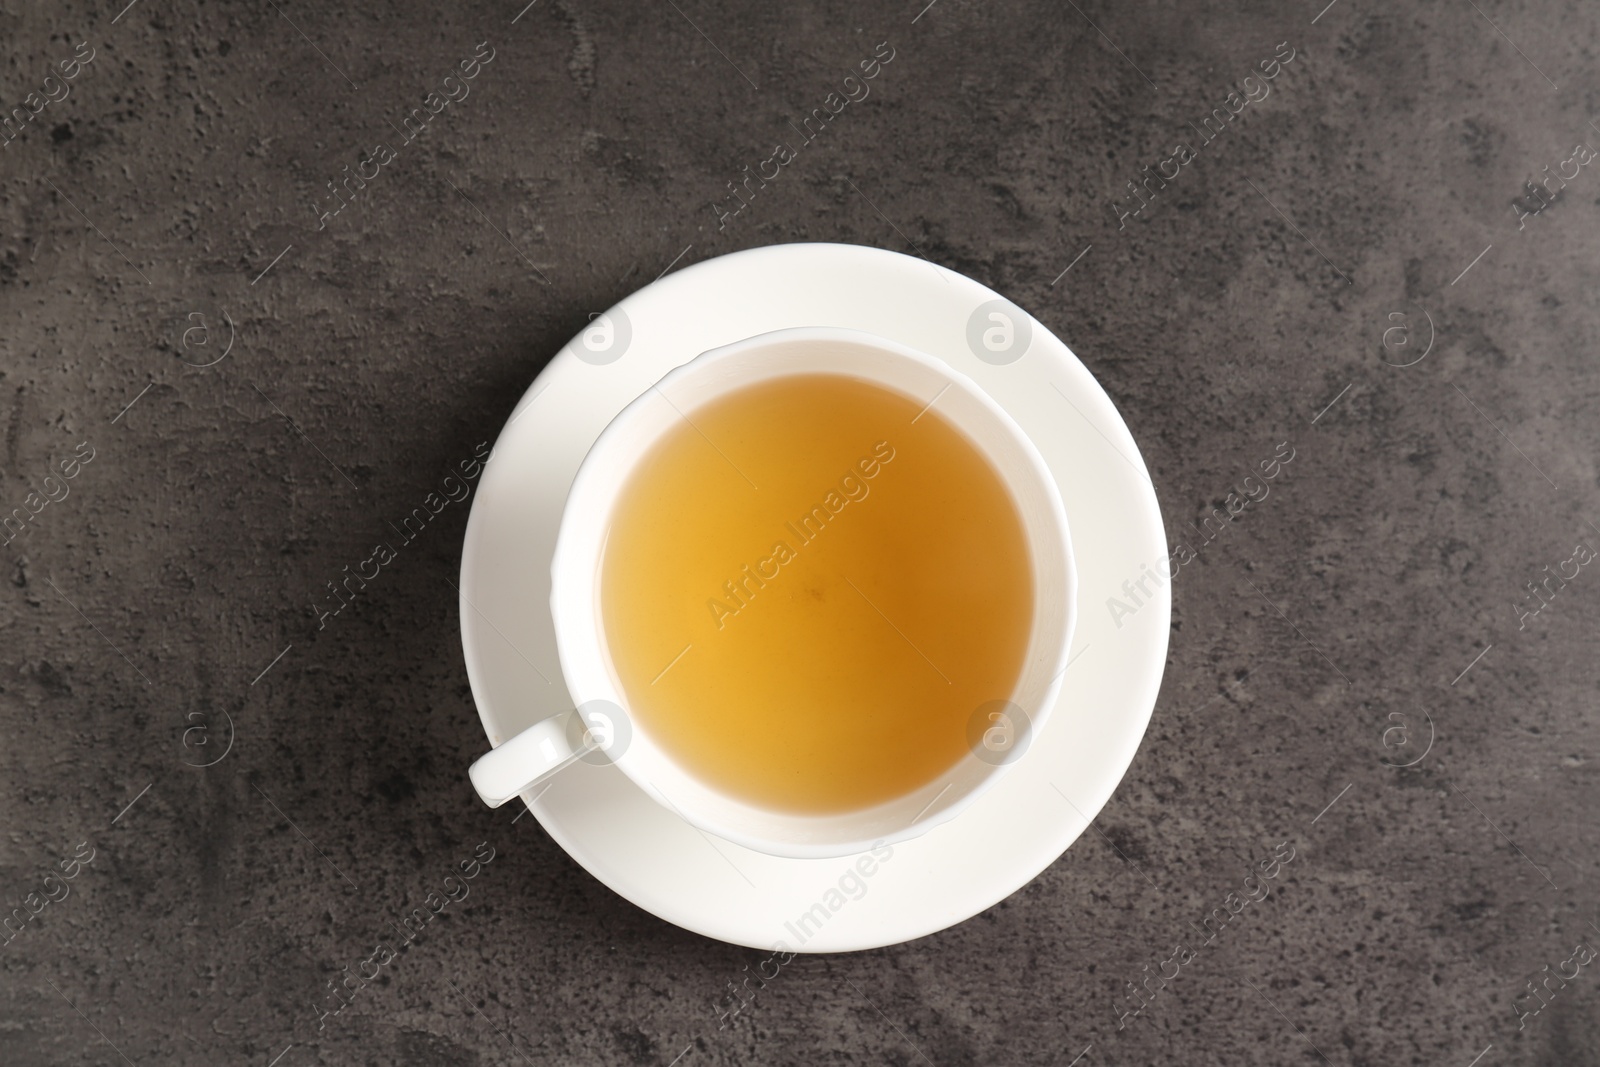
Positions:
{"x": 1009, "y": 833}
{"x": 592, "y": 679}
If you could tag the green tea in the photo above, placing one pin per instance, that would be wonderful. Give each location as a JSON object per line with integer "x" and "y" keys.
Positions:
{"x": 808, "y": 588}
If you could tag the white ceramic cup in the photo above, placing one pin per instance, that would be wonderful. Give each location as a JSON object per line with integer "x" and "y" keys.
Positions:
{"x": 600, "y": 729}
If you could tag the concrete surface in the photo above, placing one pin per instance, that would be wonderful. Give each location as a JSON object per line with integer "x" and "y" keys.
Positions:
{"x": 171, "y": 197}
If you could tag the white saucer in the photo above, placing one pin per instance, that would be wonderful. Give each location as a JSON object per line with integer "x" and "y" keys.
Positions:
{"x": 648, "y": 854}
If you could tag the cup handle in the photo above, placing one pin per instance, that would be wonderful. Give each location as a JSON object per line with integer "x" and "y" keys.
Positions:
{"x": 528, "y": 758}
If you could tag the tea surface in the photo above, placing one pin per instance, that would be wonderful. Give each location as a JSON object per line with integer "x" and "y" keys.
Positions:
{"x": 808, "y": 588}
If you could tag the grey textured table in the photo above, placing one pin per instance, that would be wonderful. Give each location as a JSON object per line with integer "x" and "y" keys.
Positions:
{"x": 216, "y": 799}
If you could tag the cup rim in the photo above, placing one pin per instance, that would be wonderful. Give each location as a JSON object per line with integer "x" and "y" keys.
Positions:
{"x": 585, "y": 662}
